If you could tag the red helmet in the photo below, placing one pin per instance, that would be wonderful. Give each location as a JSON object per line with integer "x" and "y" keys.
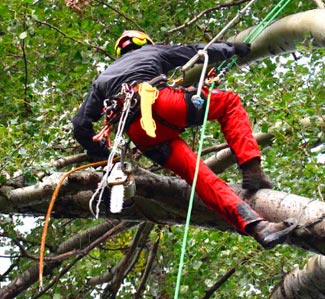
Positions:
{"x": 130, "y": 40}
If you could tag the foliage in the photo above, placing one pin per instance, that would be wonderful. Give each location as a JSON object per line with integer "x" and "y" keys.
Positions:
{"x": 49, "y": 56}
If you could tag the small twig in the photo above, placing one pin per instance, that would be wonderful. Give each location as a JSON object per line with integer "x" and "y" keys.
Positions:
{"x": 57, "y": 278}
{"x": 204, "y": 12}
{"x": 11, "y": 267}
{"x": 80, "y": 254}
{"x": 26, "y": 103}
{"x": 99, "y": 49}
{"x": 214, "y": 148}
{"x": 87, "y": 249}
{"x": 150, "y": 260}
{"x": 121, "y": 14}
{"x": 73, "y": 252}
{"x": 227, "y": 275}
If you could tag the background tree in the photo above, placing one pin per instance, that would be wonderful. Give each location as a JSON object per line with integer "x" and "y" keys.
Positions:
{"x": 50, "y": 54}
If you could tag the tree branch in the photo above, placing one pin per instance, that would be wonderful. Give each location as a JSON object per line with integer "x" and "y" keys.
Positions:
{"x": 227, "y": 275}
{"x": 115, "y": 276}
{"x": 149, "y": 264}
{"x": 306, "y": 283}
{"x": 121, "y": 14}
{"x": 99, "y": 49}
{"x": 203, "y": 13}
{"x": 30, "y": 276}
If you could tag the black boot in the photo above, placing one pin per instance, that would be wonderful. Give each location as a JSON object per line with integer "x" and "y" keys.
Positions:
{"x": 270, "y": 234}
{"x": 254, "y": 177}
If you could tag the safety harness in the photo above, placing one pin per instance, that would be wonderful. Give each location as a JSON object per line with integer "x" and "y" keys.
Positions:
{"x": 120, "y": 110}
{"x": 139, "y": 99}
{"x": 144, "y": 96}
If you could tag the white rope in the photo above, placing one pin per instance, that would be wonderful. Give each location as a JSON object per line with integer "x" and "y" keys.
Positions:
{"x": 118, "y": 141}
{"x": 203, "y": 72}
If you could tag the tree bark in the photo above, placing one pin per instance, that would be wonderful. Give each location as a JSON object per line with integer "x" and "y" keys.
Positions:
{"x": 169, "y": 206}
{"x": 302, "y": 284}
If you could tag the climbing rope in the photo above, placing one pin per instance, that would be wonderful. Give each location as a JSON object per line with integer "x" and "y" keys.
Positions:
{"x": 250, "y": 38}
{"x": 253, "y": 35}
{"x": 190, "y": 206}
{"x": 195, "y": 58}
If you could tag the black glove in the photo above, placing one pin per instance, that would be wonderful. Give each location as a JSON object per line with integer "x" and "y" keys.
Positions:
{"x": 99, "y": 152}
{"x": 242, "y": 49}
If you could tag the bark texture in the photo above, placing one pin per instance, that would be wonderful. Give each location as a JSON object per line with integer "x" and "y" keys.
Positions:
{"x": 308, "y": 283}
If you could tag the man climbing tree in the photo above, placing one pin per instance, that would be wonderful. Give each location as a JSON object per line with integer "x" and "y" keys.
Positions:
{"x": 155, "y": 129}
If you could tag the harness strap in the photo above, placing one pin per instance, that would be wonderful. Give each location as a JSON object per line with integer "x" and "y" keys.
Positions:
{"x": 157, "y": 117}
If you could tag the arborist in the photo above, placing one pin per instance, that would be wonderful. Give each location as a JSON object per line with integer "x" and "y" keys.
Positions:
{"x": 154, "y": 126}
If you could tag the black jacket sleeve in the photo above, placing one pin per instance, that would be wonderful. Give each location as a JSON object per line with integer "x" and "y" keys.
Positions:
{"x": 220, "y": 51}
{"x": 89, "y": 112}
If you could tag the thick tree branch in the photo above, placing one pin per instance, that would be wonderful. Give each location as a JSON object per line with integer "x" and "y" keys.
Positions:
{"x": 306, "y": 283}
{"x": 279, "y": 38}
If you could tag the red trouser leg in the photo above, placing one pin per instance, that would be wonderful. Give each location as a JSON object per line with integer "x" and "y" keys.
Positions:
{"x": 226, "y": 107}
{"x": 214, "y": 192}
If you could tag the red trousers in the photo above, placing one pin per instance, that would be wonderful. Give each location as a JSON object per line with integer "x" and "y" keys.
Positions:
{"x": 170, "y": 150}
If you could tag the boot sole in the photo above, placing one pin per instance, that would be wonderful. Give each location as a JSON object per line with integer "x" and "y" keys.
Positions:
{"x": 279, "y": 237}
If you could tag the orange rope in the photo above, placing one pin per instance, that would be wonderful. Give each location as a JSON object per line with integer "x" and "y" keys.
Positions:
{"x": 49, "y": 211}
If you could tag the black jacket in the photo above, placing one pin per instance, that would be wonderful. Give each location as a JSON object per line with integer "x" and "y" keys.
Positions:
{"x": 140, "y": 65}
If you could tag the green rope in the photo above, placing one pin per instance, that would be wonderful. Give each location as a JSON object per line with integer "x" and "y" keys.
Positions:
{"x": 190, "y": 206}
{"x": 250, "y": 38}
{"x": 253, "y": 35}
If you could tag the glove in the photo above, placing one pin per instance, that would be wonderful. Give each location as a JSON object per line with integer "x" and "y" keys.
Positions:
{"x": 99, "y": 152}
{"x": 242, "y": 49}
